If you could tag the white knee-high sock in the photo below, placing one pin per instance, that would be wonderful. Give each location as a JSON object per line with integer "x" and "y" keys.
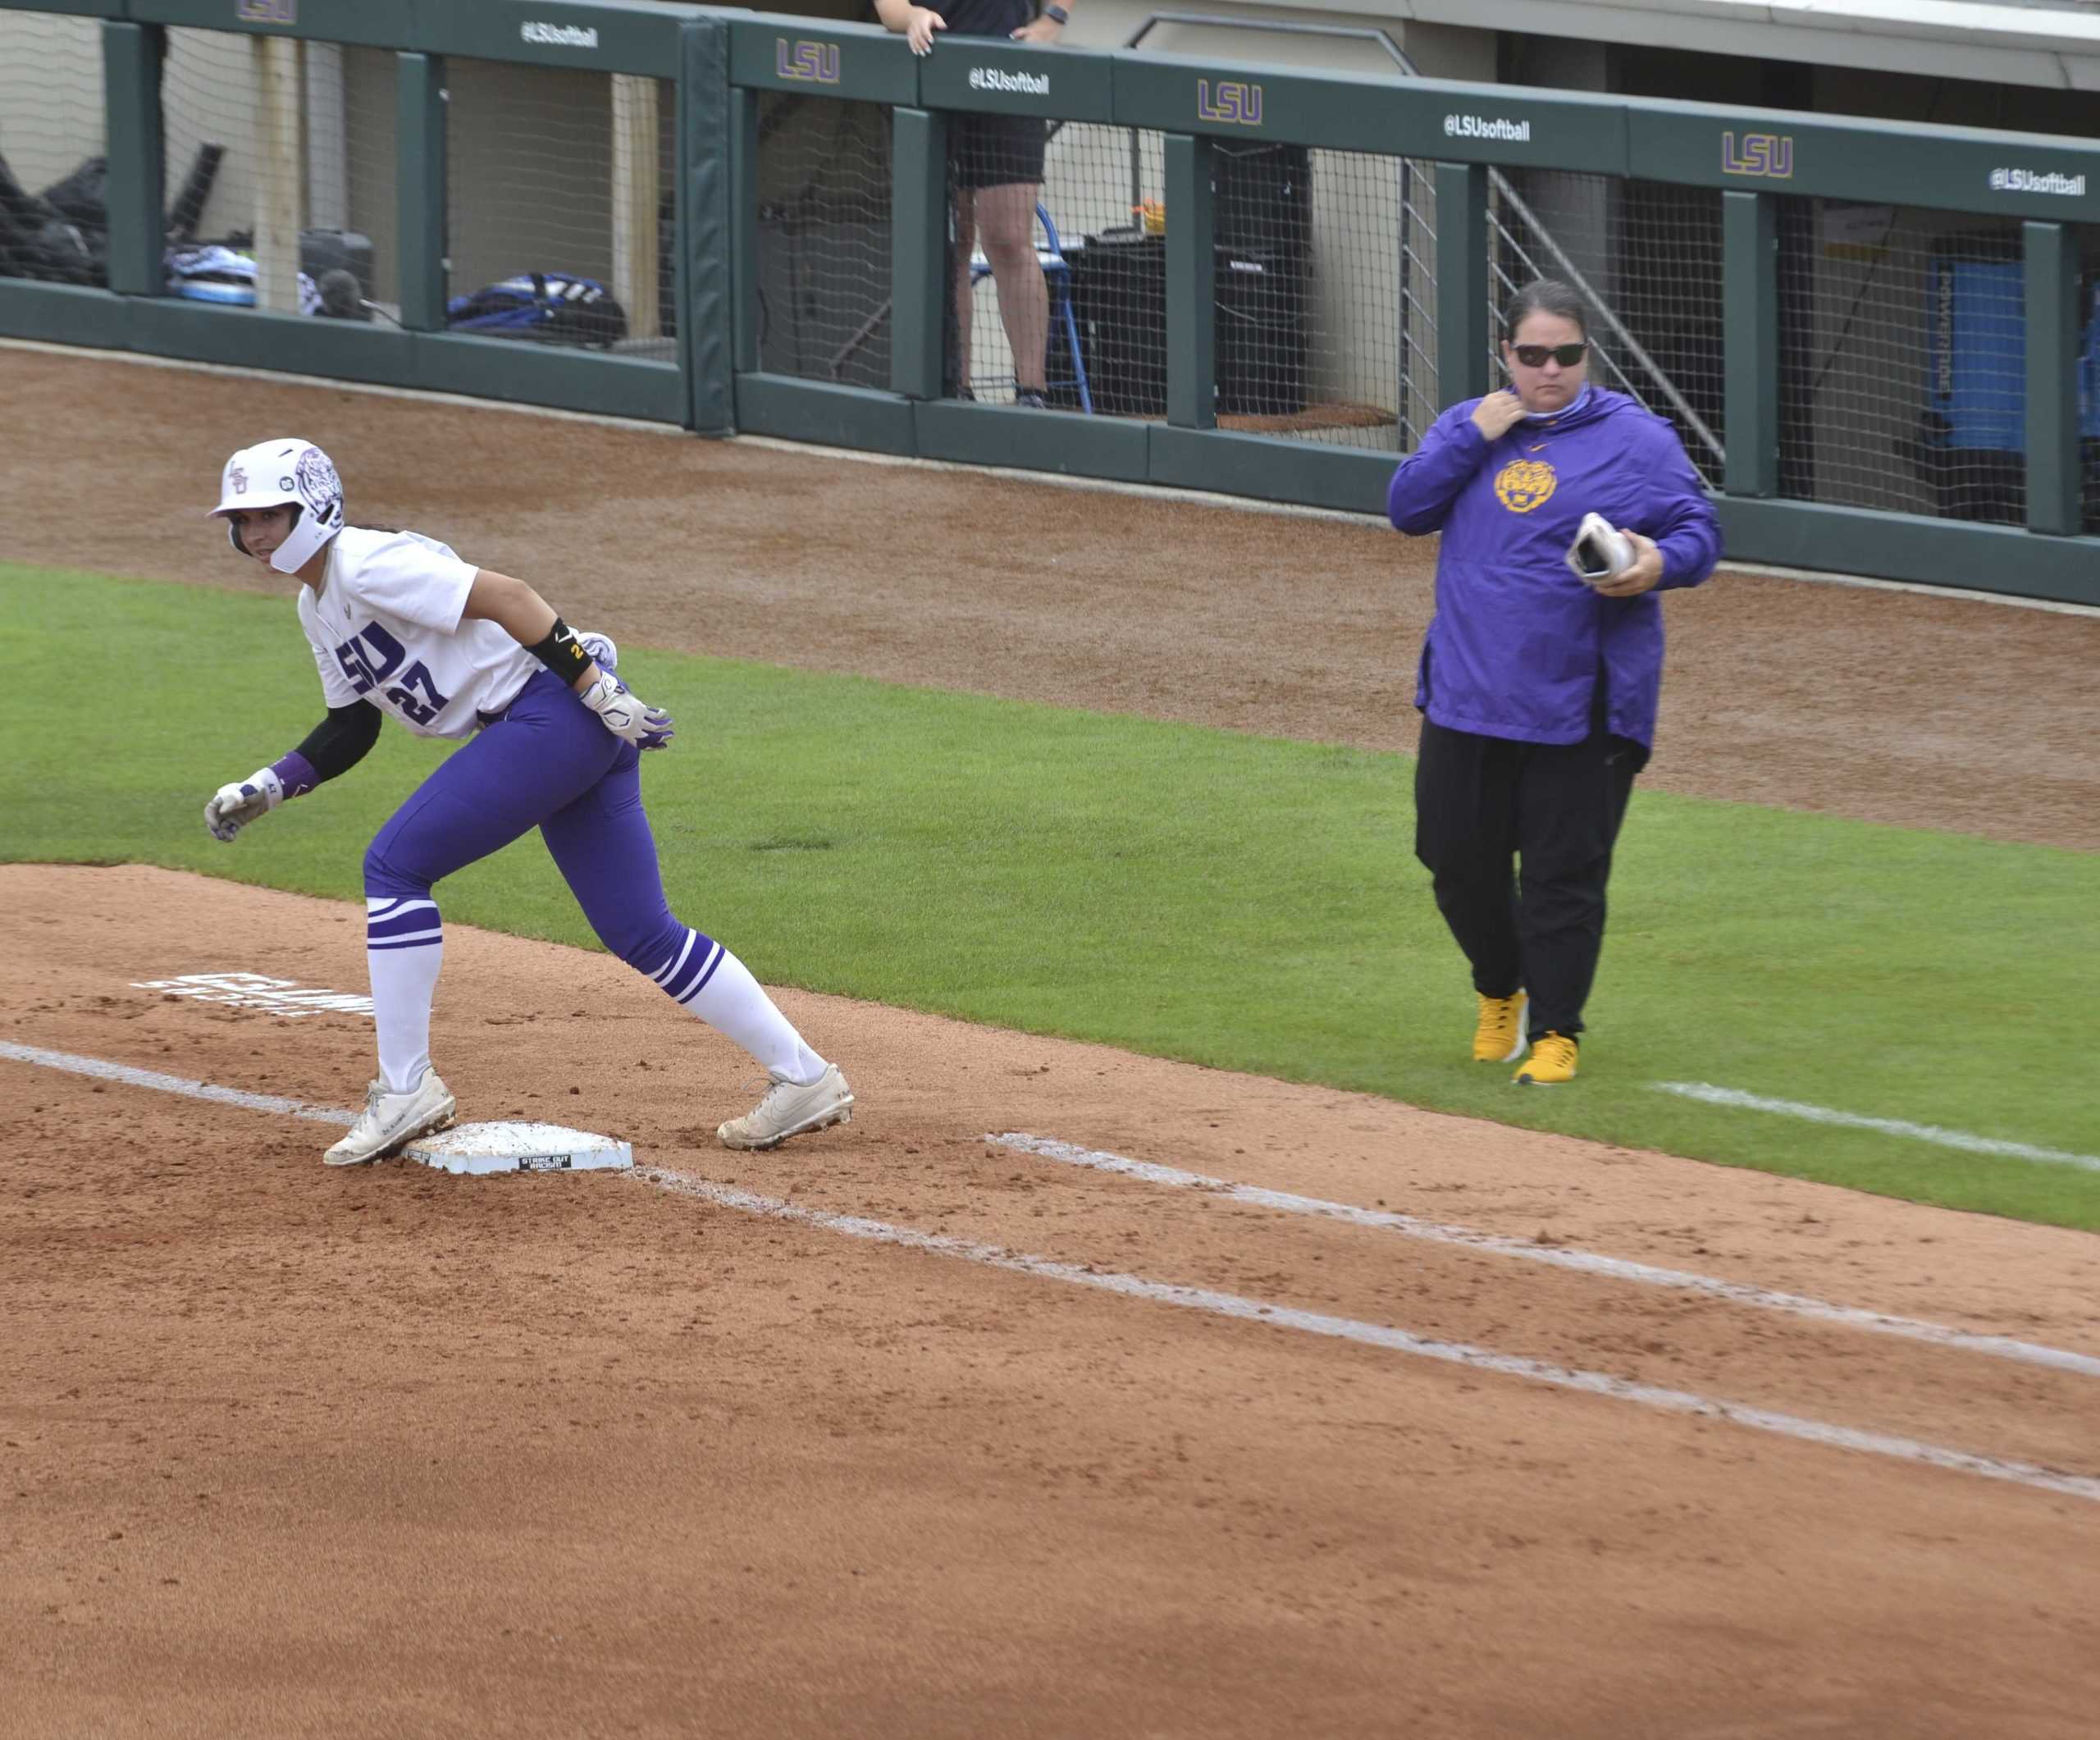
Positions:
{"x": 404, "y": 946}
{"x": 705, "y": 977}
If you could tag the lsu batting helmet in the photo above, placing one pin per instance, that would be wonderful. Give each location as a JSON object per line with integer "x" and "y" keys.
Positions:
{"x": 285, "y": 473}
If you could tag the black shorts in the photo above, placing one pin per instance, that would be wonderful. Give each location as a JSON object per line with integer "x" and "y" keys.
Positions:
{"x": 996, "y": 150}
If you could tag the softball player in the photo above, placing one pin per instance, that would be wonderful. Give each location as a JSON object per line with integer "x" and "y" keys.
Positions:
{"x": 401, "y": 626}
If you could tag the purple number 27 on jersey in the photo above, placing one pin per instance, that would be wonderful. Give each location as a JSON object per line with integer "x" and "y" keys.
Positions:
{"x": 372, "y": 657}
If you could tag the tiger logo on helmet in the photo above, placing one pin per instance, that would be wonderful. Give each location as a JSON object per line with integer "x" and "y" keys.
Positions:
{"x": 319, "y": 488}
{"x": 288, "y": 473}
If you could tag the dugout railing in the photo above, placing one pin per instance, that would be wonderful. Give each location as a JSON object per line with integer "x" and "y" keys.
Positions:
{"x": 664, "y": 63}
{"x": 1835, "y": 379}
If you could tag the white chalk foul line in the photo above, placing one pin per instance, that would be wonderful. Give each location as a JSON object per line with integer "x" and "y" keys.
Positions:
{"x": 1888, "y": 1126}
{"x": 1377, "y": 1335}
{"x": 1555, "y": 1256}
{"x": 1194, "y": 1299}
{"x": 138, "y": 1078}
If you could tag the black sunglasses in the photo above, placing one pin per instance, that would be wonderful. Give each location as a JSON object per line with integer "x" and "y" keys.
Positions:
{"x": 1534, "y": 356}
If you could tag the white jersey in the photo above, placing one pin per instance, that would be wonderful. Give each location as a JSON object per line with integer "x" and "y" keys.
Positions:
{"x": 386, "y": 629}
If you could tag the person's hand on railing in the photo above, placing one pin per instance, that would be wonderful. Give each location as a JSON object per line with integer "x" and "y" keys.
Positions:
{"x": 920, "y": 33}
{"x": 915, "y": 24}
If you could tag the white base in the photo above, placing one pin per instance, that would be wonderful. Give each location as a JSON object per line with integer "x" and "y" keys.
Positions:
{"x": 478, "y": 1148}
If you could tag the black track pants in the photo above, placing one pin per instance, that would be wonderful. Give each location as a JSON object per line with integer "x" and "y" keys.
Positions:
{"x": 1517, "y": 840}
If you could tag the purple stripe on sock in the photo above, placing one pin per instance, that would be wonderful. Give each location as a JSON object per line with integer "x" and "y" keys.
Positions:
{"x": 681, "y": 984}
{"x": 715, "y": 960}
{"x": 678, "y": 957}
{"x": 297, "y": 773}
{"x": 417, "y": 942}
{"x": 401, "y": 924}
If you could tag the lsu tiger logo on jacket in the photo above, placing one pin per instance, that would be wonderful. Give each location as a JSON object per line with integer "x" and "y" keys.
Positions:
{"x": 1524, "y": 484}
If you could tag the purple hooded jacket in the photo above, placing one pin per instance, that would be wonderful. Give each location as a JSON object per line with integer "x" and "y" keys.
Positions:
{"x": 1518, "y": 641}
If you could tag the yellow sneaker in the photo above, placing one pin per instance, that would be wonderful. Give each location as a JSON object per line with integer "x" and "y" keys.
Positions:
{"x": 1499, "y": 1038}
{"x": 1552, "y": 1062}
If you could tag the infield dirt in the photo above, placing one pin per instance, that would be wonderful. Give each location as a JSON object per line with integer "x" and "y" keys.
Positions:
{"x": 288, "y": 1450}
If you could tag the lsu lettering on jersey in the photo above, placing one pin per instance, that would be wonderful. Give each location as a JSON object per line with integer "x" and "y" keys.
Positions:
{"x": 386, "y": 629}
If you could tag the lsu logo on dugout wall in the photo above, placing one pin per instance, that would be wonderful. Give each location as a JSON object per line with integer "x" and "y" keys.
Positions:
{"x": 813, "y": 63}
{"x": 1235, "y": 103}
{"x": 1524, "y": 484}
{"x": 1769, "y": 156}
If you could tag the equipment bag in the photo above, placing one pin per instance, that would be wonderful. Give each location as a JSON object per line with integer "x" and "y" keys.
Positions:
{"x": 552, "y": 307}
{"x": 213, "y": 273}
{"x": 37, "y": 240}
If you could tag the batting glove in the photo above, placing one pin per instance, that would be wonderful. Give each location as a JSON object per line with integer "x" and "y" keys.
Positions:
{"x": 621, "y": 712}
{"x": 233, "y": 807}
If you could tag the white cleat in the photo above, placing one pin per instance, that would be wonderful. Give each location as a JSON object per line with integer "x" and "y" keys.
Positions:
{"x": 392, "y": 1121}
{"x": 789, "y": 1111}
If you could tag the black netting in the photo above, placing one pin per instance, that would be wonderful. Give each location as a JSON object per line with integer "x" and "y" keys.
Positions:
{"x": 1902, "y": 375}
{"x": 366, "y": 203}
{"x": 824, "y": 239}
{"x": 1647, "y": 257}
{"x": 281, "y": 189}
{"x": 1324, "y": 301}
{"x": 560, "y": 214}
{"x": 54, "y": 214}
{"x": 1084, "y": 277}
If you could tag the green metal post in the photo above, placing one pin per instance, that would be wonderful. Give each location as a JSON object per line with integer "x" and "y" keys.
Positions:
{"x": 1750, "y": 325}
{"x": 131, "y": 55}
{"x": 2052, "y": 457}
{"x": 419, "y": 148}
{"x": 919, "y": 256}
{"x": 1462, "y": 334}
{"x": 1191, "y": 284}
{"x": 743, "y": 224}
{"x": 705, "y": 203}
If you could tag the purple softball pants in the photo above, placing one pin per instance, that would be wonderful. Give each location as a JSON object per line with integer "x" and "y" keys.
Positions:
{"x": 546, "y": 763}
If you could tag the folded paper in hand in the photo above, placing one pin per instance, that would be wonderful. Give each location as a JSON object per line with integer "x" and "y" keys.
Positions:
{"x": 1600, "y": 551}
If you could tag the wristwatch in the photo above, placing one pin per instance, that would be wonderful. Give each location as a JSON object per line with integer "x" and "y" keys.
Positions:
{"x": 1056, "y": 14}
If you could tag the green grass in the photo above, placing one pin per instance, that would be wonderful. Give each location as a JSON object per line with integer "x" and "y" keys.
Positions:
{"x": 1233, "y": 901}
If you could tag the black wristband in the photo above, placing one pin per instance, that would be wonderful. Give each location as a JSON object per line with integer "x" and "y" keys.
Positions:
{"x": 1056, "y": 14}
{"x": 562, "y": 653}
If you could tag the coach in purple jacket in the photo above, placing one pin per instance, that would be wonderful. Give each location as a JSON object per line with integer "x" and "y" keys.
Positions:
{"x": 1538, "y": 690}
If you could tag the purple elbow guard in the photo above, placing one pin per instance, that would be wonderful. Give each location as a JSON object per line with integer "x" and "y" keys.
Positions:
{"x": 297, "y": 773}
